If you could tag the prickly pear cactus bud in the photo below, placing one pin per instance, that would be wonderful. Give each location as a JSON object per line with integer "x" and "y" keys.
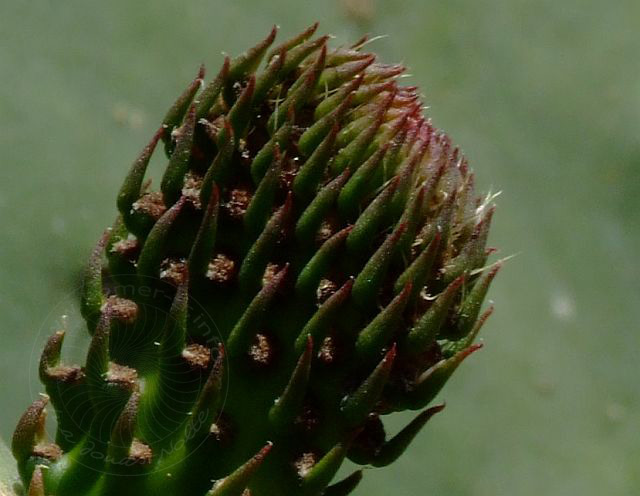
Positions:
{"x": 313, "y": 259}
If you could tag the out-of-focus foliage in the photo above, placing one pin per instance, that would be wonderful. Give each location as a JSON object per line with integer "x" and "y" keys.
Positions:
{"x": 543, "y": 96}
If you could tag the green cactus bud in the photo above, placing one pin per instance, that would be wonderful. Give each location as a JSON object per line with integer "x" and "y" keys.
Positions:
{"x": 314, "y": 259}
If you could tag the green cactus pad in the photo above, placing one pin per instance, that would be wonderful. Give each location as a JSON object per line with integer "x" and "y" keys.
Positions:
{"x": 314, "y": 259}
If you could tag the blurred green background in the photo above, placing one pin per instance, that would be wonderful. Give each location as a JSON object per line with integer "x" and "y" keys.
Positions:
{"x": 543, "y": 96}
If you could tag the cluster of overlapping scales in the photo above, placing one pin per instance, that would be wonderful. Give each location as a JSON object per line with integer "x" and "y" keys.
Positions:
{"x": 315, "y": 258}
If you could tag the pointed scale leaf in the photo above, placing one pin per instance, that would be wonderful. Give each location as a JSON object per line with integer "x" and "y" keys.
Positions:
{"x": 65, "y": 386}
{"x": 176, "y": 113}
{"x": 388, "y": 131}
{"x": 175, "y": 331}
{"x": 360, "y": 95}
{"x": 444, "y": 221}
{"x": 320, "y": 263}
{"x": 92, "y": 296}
{"x": 362, "y": 41}
{"x": 247, "y": 63}
{"x": 371, "y": 220}
{"x": 132, "y": 187}
{"x": 320, "y": 323}
{"x": 330, "y": 105}
{"x": 209, "y": 404}
{"x": 300, "y": 53}
{"x": 335, "y": 76}
{"x": 97, "y": 364}
{"x": 257, "y": 258}
{"x": 406, "y": 181}
{"x": 368, "y": 92}
{"x": 392, "y": 449}
{"x": 430, "y": 188}
{"x": 358, "y": 186}
{"x": 485, "y": 222}
{"x": 370, "y": 279}
{"x": 294, "y": 41}
{"x": 236, "y": 483}
{"x": 109, "y": 385}
{"x": 354, "y": 153}
{"x": 50, "y": 357}
{"x": 312, "y": 217}
{"x": 470, "y": 338}
{"x": 431, "y": 381}
{"x": 358, "y": 405}
{"x": 30, "y": 430}
{"x": 472, "y": 303}
{"x": 117, "y": 248}
{"x": 261, "y": 205}
{"x": 426, "y": 330}
{"x": 240, "y": 113}
{"x": 345, "y": 486}
{"x": 376, "y": 336}
{"x": 163, "y": 408}
{"x": 282, "y": 63}
{"x": 249, "y": 324}
{"x": 466, "y": 204}
{"x": 173, "y": 178}
{"x": 314, "y": 135}
{"x": 412, "y": 218}
{"x": 298, "y": 95}
{"x": 220, "y": 169}
{"x": 341, "y": 55}
{"x": 359, "y": 120}
{"x": 382, "y": 72}
{"x": 472, "y": 255}
{"x": 210, "y": 93}
{"x": 202, "y": 249}
{"x": 153, "y": 250}
{"x": 419, "y": 270}
{"x": 269, "y": 78}
{"x": 312, "y": 171}
{"x": 287, "y": 407}
{"x": 450, "y": 348}
{"x": 124, "y": 430}
{"x": 394, "y": 156}
{"x": 264, "y": 158}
